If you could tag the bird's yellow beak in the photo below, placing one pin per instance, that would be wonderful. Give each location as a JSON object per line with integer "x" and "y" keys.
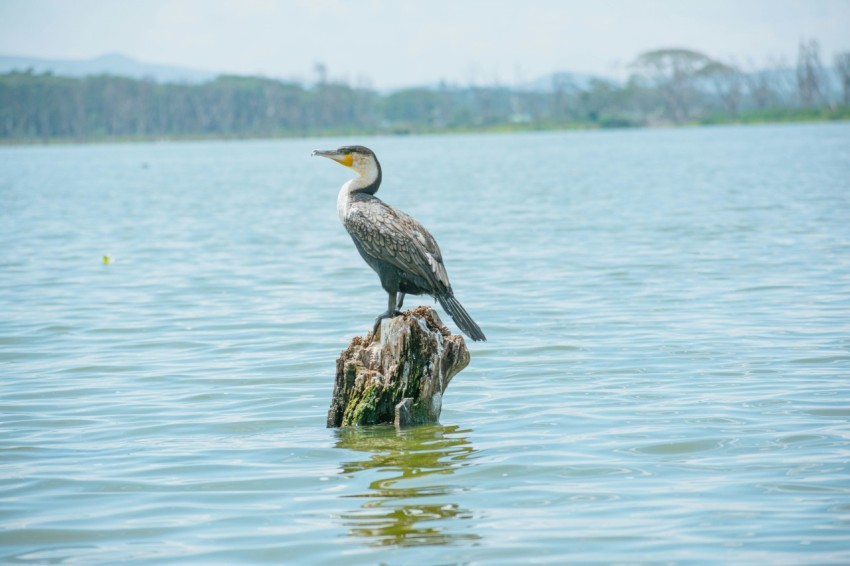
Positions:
{"x": 339, "y": 157}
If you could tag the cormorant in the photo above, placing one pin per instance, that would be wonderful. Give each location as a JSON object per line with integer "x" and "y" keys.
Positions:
{"x": 402, "y": 252}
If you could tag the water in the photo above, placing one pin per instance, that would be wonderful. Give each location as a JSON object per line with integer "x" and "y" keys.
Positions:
{"x": 666, "y": 376}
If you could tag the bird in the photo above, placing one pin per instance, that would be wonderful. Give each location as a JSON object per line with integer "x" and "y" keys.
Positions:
{"x": 402, "y": 252}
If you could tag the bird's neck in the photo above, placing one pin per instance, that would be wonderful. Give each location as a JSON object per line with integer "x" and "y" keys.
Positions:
{"x": 367, "y": 182}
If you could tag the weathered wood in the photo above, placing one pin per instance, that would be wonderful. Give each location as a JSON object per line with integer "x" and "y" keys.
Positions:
{"x": 398, "y": 376}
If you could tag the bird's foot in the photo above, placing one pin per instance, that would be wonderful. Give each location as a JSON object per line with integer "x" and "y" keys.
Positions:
{"x": 382, "y": 316}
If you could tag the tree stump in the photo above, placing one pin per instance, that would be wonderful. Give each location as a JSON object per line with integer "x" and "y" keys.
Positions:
{"x": 398, "y": 376}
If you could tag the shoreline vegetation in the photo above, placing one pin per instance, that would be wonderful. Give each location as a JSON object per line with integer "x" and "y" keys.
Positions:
{"x": 669, "y": 87}
{"x": 839, "y": 114}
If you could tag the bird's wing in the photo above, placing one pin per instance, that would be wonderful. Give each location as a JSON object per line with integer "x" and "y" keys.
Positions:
{"x": 391, "y": 235}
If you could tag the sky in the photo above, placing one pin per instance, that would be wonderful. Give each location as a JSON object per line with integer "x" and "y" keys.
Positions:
{"x": 396, "y": 43}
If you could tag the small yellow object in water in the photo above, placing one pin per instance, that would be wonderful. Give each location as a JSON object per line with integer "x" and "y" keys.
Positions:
{"x": 106, "y": 260}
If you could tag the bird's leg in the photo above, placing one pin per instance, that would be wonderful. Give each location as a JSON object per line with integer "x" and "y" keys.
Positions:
{"x": 400, "y": 301}
{"x": 389, "y": 313}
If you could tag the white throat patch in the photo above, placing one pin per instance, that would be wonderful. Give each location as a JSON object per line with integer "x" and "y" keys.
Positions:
{"x": 368, "y": 174}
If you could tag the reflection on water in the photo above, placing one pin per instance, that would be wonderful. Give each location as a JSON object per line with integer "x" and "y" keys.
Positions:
{"x": 666, "y": 381}
{"x": 407, "y": 503}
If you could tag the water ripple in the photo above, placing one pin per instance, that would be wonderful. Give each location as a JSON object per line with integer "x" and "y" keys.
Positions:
{"x": 665, "y": 379}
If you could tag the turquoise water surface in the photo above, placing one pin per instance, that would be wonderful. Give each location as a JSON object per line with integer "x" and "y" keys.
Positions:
{"x": 666, "y": 376}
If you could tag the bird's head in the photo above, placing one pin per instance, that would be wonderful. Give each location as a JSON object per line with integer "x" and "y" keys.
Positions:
{"x": 361, "y": 159}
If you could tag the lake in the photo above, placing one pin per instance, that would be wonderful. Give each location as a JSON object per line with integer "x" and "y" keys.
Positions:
{"x": 665, "y": 377}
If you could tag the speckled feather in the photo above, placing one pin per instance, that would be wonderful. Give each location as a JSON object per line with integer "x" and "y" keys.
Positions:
{"x": 400, "y": 250}
{"x": 390, "y": 235}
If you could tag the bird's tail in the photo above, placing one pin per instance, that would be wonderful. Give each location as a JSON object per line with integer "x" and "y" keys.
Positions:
{"x": 461, "y": 317}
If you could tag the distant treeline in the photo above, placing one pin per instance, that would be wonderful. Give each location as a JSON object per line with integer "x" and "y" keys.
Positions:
{"x": 665, "y": 86}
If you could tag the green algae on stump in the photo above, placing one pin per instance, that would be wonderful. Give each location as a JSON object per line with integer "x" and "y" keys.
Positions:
{"x": 398, "y": 376}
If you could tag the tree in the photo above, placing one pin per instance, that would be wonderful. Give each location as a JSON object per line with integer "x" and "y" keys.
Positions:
{"x": 563, "y": 90}
{"x": 604, "y": 103}
{"x": 727, "y": 83}
{"x": 809, "y": 73}
{"x": 673, "y": 73}
{"x": 762, "y": 83}
{"x": 412, "y": 106}
{"x": 842, "y": 65}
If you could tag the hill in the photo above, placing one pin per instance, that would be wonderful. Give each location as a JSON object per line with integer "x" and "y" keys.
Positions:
{"x": 110, "y": 64}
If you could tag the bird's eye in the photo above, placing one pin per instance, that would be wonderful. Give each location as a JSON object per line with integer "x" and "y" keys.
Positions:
{"x": 347, "y": 151}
